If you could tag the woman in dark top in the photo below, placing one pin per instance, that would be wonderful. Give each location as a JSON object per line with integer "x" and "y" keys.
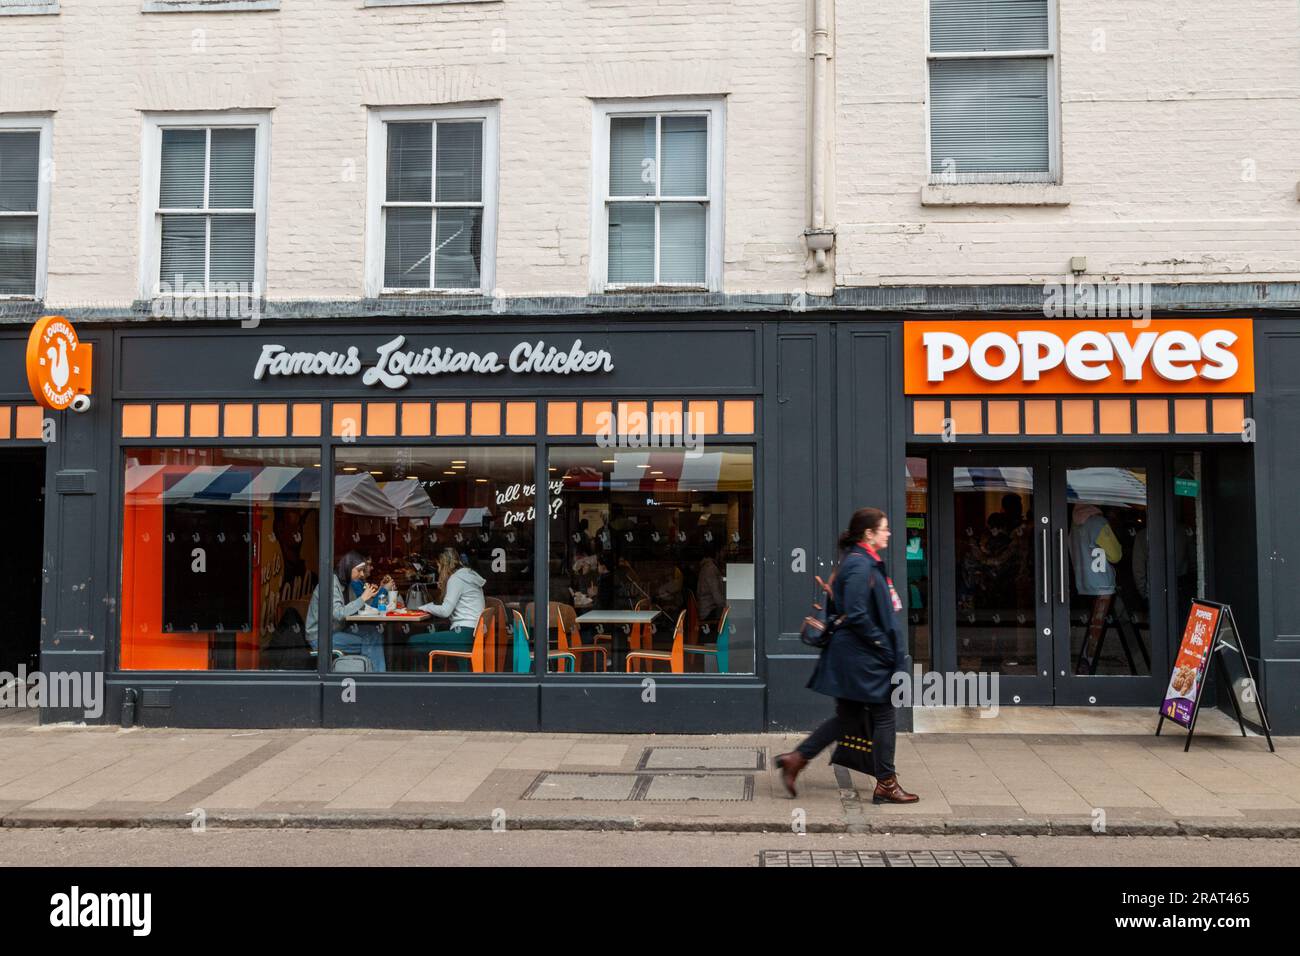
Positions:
{"x": 856, "y": 667}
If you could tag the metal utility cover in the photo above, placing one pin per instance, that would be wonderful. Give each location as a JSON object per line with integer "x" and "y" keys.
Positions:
{"x": 703, "y": 758}
{"x": 674, "y": 786}
{"x": 582, "y": 786}
{"x": 886, "y": 858}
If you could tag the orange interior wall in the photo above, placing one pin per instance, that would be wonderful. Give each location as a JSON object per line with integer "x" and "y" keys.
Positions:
{"x": 144, "y": 644}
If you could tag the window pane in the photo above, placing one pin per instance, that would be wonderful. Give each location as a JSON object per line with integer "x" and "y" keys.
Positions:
{"x": 973, "y": 25}
{"x": 460, "y": 162}
{"x": 233, "y": 155}
{"x": 410, "y": 162}
{"x": 918, "y": 561}
{"x": 668, "y": 533}
{"x": 681, "y": 242}
{"x": 448, "y": 530}
{"x": 20, "y": 163}
{"x": 242, "y": 601}
{"x": 631, "y": 242}
{"x": 18, "y": 255}
{"x": 408, "y": 235}
{"x": 234, "y": 250}
{"x": 989, "y": 116}
{"x": 460, "y": 237}
{"x": 632, "y": 156}
{"x": 184, "y": 242}
{"x": 184, "y": 153}
{"x": 685, "y": 156}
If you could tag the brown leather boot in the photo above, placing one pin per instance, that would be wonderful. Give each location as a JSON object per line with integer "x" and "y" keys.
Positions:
{"x": 790, "y": 764}
{"x": 888, "y": 791}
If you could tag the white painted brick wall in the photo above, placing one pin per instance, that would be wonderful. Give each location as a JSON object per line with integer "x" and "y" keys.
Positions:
{"x": 1155, "y": 133}
{"x": 318, "y": 62}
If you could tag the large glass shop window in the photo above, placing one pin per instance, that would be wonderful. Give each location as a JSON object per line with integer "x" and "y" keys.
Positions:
{"x": 433, "y": 561}
{"x": 219, "y": 555}
{"x": 651, "y": 561}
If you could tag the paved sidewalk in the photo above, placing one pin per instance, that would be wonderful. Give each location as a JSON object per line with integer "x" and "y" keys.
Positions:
{"x": 969, "y": 782}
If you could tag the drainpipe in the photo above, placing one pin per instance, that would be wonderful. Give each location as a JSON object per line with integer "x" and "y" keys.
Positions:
{"x": 820, "y": 238}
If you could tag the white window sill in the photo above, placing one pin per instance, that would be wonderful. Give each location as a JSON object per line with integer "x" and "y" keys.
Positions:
{"x": 207, "y": 6}
{"x": 28, "y": 8}
{"x": 995, "y": 194}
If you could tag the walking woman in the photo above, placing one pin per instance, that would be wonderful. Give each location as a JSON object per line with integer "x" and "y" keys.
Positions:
{"x": 856, "y": 667}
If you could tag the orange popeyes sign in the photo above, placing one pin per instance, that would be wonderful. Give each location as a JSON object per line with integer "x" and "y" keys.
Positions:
{"x": 1092, "y": 355}
{"x": 58, "y": 364}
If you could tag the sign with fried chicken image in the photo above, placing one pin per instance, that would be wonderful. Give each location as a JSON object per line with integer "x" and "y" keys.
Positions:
{"x": 1192, "y": 664}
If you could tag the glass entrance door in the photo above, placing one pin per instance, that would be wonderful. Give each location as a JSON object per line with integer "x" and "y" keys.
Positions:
{"x": 992, "y": 608}
{"x": 1050, "y": 573}
{"x": 1109, "y": 563}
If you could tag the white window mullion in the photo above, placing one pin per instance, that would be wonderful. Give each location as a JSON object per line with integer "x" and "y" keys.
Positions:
{"x": 207, "y": 251}
{"x": 656, "y": 243}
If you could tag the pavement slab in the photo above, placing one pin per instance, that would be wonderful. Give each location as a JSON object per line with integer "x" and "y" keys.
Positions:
{"x": 1037, "y": 781}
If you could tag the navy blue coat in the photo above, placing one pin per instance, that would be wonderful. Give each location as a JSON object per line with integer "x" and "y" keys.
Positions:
{"x": 868, "y": 646}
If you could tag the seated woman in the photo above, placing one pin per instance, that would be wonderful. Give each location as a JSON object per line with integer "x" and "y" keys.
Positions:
{"x": 461, "y": 588}
{"x": 364, "y": 639}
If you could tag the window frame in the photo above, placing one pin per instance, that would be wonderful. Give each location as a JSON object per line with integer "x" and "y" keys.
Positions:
{"x": 43, "y": 124}
{"x": 151, "y": 212}
{"x": 376, "y": 193}
{"x": 1052, "y": 176}
{"x": 714, "y": 110}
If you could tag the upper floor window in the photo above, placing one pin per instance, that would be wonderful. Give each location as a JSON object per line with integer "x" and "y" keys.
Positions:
{"x": 993, "y": 112}
{"x": 657, "y": 205}
{"x": 24, "y": 204}
{"x": 432, "y": 211}
{"x": 205, "y": 205}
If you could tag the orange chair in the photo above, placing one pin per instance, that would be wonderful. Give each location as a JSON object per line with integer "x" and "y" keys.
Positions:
{"x": 721, "y": 646}
{"x": 675, "y": 658}
{"x": 482, "y": 656}
{"x": 568, "y": 636}
{"x": 560, "y": 655}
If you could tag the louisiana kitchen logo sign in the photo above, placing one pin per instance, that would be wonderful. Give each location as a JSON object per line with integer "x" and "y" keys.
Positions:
{"x": 1047, "y": 357}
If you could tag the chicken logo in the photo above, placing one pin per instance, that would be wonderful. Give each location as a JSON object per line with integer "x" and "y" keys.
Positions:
{"x": 58, "y": 365}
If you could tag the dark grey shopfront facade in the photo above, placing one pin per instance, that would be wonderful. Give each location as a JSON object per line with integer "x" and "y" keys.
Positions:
{"x": 831, "y": 430}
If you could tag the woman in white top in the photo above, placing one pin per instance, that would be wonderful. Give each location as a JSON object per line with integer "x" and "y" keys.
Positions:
{"x": 462, "y": 603}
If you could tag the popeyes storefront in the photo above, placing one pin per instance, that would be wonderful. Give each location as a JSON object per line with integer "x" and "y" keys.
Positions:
{"x": 1060, "y": 491}
{"x": 1071, "y": 487}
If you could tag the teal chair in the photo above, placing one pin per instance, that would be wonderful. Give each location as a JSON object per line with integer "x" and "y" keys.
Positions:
{"x": 522, "y": 650}
{"x": 721, "y": 648}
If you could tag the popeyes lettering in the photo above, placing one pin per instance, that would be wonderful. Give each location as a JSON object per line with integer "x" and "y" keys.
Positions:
{"x": 1201, "y": 355}
{"x": 1089, "y": 356}
{"x": 394, "y": 365}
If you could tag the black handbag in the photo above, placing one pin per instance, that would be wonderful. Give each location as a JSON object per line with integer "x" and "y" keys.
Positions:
{"x": 854, "y": 753}
{"x": 819, "y": 626}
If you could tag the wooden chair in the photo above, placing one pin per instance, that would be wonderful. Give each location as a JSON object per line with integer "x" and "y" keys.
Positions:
{"x": 568, "y": 636}
{"x": 721, "y": 648}
{"x": 502, "y": 622}
{"x": 527, "y": 649}
{"x": 675, "y": 658}
{"x": 692, "y": 617}
{"x": 482, "y": 656}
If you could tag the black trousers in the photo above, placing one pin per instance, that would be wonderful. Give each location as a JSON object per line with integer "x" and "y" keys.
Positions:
{"x": 854, "y": 717}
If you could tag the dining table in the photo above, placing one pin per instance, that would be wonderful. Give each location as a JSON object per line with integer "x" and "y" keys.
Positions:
{"x": 639, "y": 624}
{"x": 388, "y": 619}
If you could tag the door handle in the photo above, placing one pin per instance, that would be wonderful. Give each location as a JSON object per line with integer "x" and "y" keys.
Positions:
{"x": 1060, "y": 551}
{"x": 1046, "y": 570}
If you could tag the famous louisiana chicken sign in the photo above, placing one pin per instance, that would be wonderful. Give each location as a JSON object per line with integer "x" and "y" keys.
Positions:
{"x": 1098, "y": 356}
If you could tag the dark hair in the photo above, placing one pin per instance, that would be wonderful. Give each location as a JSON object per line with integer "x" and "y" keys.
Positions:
{"x": 346, "y": 565}
{"x": 863, "y": 520}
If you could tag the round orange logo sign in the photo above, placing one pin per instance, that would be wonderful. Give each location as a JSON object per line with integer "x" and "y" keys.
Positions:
{"x": 58, "y": 365}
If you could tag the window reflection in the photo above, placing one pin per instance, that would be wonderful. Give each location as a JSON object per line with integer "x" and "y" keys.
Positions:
{"x": 652, "y": 561}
